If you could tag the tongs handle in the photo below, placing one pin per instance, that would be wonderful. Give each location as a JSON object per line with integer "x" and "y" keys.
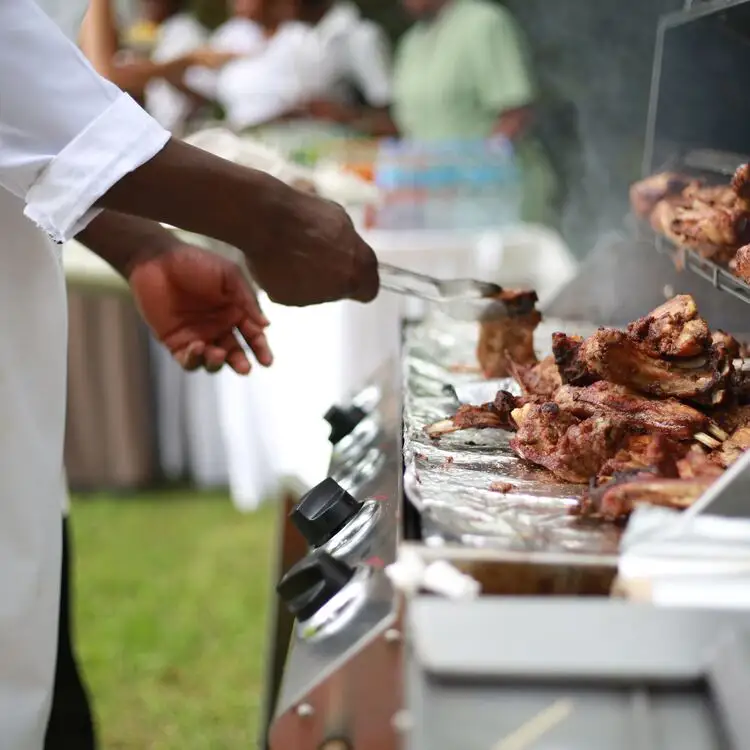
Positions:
{"x": 403, "y": 281}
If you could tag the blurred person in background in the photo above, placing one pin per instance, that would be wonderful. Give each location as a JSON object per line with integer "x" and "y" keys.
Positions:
{"x": 277, "y": 63}
{"x": 461, "y": 73}
{"x": 179, "y": 36}
{"x": 356, "y": 89}
{"x": 100, "y": 40}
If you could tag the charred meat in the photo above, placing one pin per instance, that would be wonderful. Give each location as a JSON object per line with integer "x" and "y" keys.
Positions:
{"x": 645, "y": 195}
{"x": 673, "y": 330}
{"x": 510, "y": 338}
{"x": 541, "y": 379}
{"x": 571, "y": 368}
{"x": 668, "y": 417}
{"x": 495, "y": 415}
{"x": 615, "y": 357}
{"x": 617, "y": 499}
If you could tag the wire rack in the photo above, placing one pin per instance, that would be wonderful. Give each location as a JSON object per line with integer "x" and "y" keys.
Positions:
{"x": 687, "y": 258}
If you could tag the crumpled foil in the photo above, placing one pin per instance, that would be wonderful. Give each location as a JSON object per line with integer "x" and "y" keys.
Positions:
{"x": 469, "y": 486}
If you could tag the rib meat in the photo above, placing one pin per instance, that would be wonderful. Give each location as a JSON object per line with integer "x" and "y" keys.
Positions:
{"x": 573, "y": 449}
{"x": 742, "y": 263}
{"x": 616, "y": 500}
{"x": 669, "y": 417}
{"x": 541, "y": 379}
{"x": 493, "y": 415}
{"x": 614, "y": 356}
{"x": 571, "y": 368}
{"x": 510, "y": 338}
{"x": 644, "y": 195}
{"x": 734, "y": 447}
{"x": 673, "y": 330}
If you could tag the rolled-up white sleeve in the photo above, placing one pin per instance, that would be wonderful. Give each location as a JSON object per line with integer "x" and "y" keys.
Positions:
{"x": 66, "y": 135}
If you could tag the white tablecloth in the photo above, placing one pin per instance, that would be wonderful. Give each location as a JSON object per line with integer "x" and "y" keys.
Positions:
{"x": 270, "y": 426}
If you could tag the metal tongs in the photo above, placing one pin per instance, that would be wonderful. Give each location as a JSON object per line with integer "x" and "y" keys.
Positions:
{"x": 464, "y": 299}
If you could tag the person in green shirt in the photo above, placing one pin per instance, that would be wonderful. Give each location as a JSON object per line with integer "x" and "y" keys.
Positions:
{"x": 461, "y": 73}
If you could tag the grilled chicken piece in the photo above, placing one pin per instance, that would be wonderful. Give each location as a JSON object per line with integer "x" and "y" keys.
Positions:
{"x": 509, "y": 338}
{"x": 541, "y": 379}
{"x": 741, "y": 184}
{"x": 742, "y": 263}
{"x": 715, "y": 231}
{"x": 645, "y": 194}
{"x": 494, "y": 415}
{"x": 566, "y": 351}
{"x": 734, "y": 447}
{"x": 668, "y": 417}
{"x": 673, "y": 330}
{"x": 697, "y": 464}
{"x": 655, "y": 454}
{"x": 573, "y": 449}
{"x": 729, "y": 342}
{"x": 614, "y": 356}
{"x": 617, "y": 499}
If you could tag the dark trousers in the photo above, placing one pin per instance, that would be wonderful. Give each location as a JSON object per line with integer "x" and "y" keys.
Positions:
{"x": 71, "y": 724}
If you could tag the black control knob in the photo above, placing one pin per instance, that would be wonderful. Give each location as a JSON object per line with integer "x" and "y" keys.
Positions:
{"x": 343, "y": 421}
{"x": 313, "y": 582}
{"x": 324, "y": 511}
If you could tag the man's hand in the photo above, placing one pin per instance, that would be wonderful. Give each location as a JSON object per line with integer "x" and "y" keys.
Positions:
{"x": 194, "y": 300}
{"x": 302, "y": 250}
{"x": 313, "y": 255}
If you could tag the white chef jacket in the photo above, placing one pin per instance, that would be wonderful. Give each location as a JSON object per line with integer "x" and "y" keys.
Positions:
{"x": 178, "y": 36}
{"x": 357, "y": 55}
{"x": 66, "y": 136}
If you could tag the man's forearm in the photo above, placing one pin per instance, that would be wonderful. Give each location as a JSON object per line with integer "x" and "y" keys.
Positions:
{"x": 189, "y": 188}
{"x": 124, "y": 241}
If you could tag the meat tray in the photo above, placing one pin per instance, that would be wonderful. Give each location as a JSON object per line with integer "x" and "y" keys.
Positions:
{"x": 469, "y": 487}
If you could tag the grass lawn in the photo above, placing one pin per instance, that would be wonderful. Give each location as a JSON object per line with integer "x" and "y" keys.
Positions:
{"x": 171, "y": 598}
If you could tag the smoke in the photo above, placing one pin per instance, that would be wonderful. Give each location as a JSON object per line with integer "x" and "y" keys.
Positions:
{"x": 594, "y": 57}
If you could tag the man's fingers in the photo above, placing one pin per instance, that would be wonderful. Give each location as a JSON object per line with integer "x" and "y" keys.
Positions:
{"x": 214, "y": 358}
{"x": 235, "y": 355}
{"x": 257, "y": 341}
{"x": 191, "y": 357}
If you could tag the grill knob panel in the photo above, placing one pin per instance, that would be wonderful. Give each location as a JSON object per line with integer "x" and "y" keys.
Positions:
{"x": 312, "y": 583}
{"x": 343, "y": 421}
{"x": 324, "y": 511}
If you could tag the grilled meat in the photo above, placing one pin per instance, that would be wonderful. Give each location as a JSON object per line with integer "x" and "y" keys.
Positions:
{"x": 734, "y": 447}
{"x": 669, "y": 417}
{"x": 509, "y": 338}
{"x": 697, "y": 464}
{"x": 742, "y": 263}
{"x": 644, "y": 195}
{"x": 541, "y": 379}
{"x": 655, "y": 454}
{"x": 617, "y": 499}
{"x": 614, "y": 356}
{"x": 673, "y": 330}
{"x": 494, "y": 415}
{"x": 741, "y": 183}
{"x": 729, "y": 342}
{"x": 566, "y": 351}
{"x": 572, "y": 448}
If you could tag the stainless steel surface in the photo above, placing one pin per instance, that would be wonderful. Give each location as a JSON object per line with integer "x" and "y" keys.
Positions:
{"x": 350, "y": 540}
{"x": 430, "y": 288}
{"x": 341, "y": 664}
{"x": 606, "y": 675}
{"x": 341, "y": 611}
{"x": 470, "y": 488}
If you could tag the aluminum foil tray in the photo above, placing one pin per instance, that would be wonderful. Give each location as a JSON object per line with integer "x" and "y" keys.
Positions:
{"x": 461, "y": 483}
